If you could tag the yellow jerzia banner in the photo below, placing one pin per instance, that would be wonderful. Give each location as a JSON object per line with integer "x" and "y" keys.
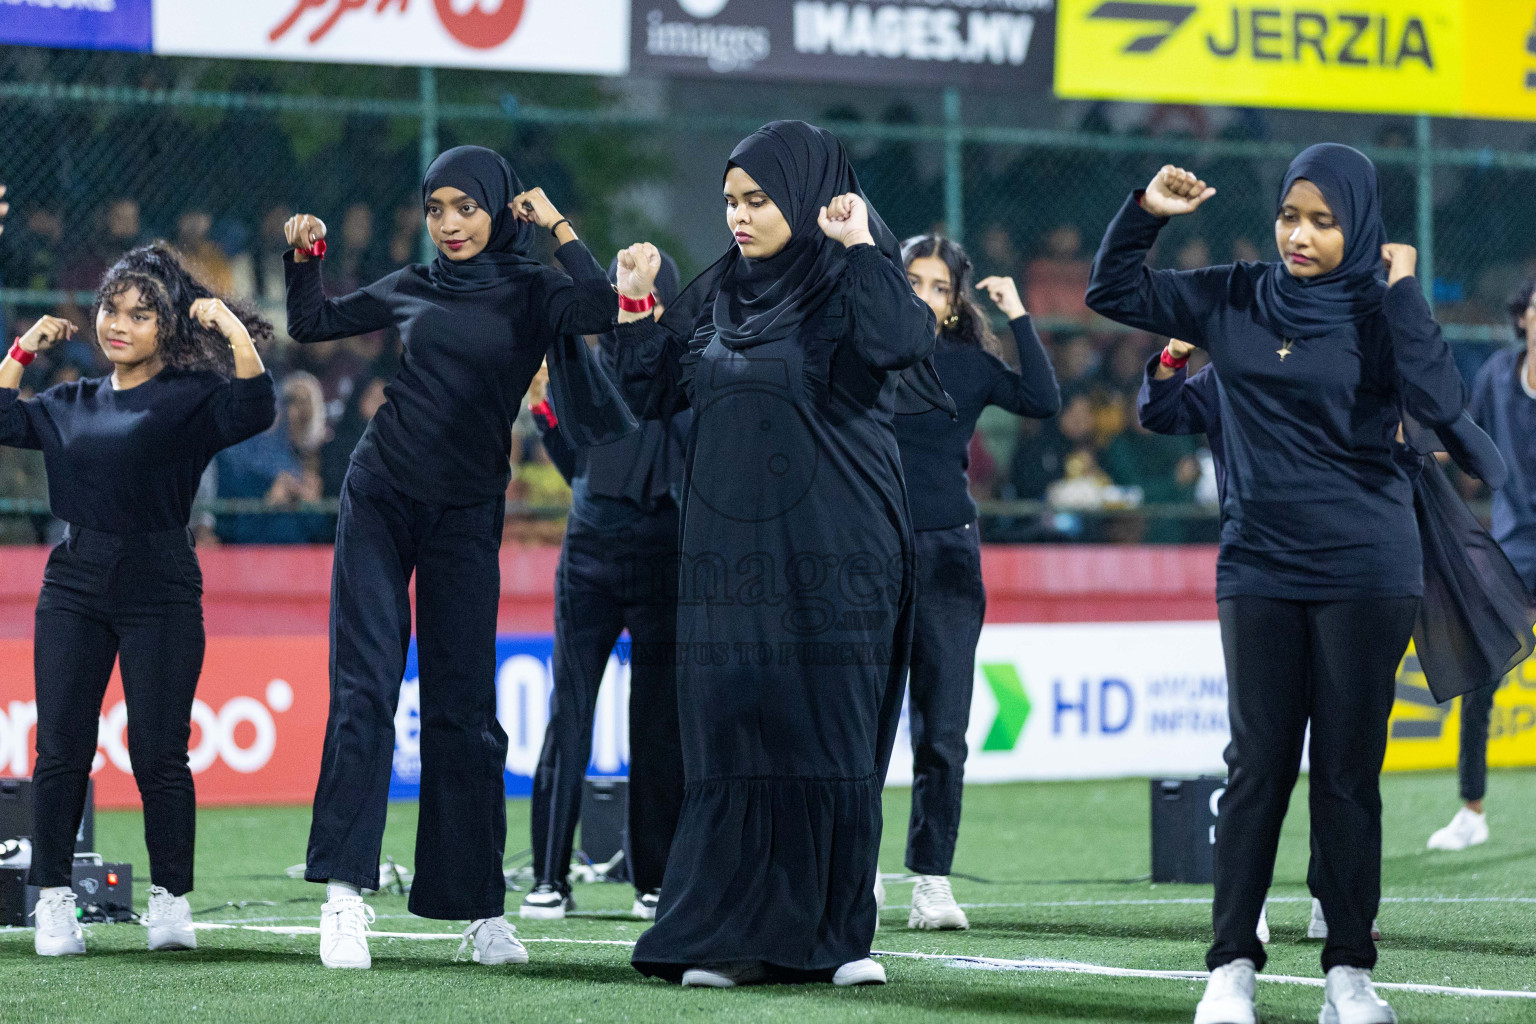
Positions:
{"x": 1464, "y": 58}
{"x": 1428, "y": 735}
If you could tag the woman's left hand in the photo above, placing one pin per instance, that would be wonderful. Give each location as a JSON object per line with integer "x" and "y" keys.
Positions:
{"x": 534, "y": 207}
{"x": 213, "y": 314}
{"x": 1401, "y": 260}
{"x": 846, "y": 219}
{"x": 1004, "y": 293}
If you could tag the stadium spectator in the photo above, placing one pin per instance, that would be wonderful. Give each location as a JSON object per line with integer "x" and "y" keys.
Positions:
{"x": 278, "y": 468}
{"x": 1055, "y": 282}
{"x": 202, "y": 254}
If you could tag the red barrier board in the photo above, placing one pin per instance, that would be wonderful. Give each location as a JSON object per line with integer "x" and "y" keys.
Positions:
{"x": 262, "y": 701}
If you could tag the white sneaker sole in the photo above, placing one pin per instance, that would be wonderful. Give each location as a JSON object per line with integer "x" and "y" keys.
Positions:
{"x": 528, "y": 913}
{"x": 955, "y": 922}
{"x": 181, "y": 939}
{"x": 1227, "y": 1014}
{"x": 864, "y": 972}
{"x": 519, "y": 956}
{"x": 1329, "y": 1015}
{"x": 66, "y": 948}
{"x": 697, "y": 977}
{"x": 643, "y": 912}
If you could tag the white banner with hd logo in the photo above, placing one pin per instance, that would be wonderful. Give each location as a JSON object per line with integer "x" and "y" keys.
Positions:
{"x": 1467, "y": 58}
{"x": 1117, "y": 699}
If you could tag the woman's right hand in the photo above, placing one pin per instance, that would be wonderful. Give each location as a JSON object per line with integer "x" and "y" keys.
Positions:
{"x": 46, "y": 333}
{"x": 1180, "y": 349}
{"x": 302, "y": 231}
{"x": 1173, "y": 191}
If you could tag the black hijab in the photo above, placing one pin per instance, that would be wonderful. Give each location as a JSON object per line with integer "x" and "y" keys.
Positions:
{"x": 588, "y": 405}
{"x": 488, "y": 179}
{"x": 1353, "y": 291}
{"x": 802, "y": 168}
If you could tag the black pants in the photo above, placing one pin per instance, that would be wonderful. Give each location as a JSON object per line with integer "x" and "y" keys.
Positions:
{"x": 1333, "y": 664}
{"x": 951, "y": 602}
{"x": 382, "y": 537}
{"x": 1472, "y": 762}
{"x": 106, "y": 597}
{"x": 608, "y": 580}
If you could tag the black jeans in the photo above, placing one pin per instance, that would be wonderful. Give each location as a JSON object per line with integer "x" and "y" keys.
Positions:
{"x": 610, "y": 579}
{"x": 382, "y": 537}
{"x": 1333, "y": 664}
{"x": 137, "y": 599}
{"x": 951, "y": 602}
{"x": 1472, "y": 762}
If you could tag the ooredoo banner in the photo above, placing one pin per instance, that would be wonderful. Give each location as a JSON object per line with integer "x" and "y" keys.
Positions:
{"x": 524, "y": 35}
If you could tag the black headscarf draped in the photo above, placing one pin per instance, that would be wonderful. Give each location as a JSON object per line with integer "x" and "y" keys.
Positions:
{"x": 487, "y": 178}
{"x": 802, "y": 168}
{"x": 1353, "y": 291}
{"x": 589, "y": 407}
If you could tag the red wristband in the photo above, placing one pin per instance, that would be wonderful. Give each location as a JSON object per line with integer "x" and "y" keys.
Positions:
{"x": 630, "y": 305}
{"x": 316, "y": 251}
{"x": 1172, "y": 363}
{"x": 20, "y": 354}
{"x": 545, "y": 412}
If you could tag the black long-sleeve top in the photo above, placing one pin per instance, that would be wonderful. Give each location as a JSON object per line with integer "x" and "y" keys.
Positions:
{"x": 935, "y": 449}
{"x": 444, "y": 433}
{"x": 1316, "y": 507}
{"x": 656, "y": 365}
{"x": 130, "y": 461}
{"x": 1186, "y": 403}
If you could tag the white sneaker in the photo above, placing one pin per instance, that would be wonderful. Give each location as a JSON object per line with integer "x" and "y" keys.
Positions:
{"x": 169, "y": 919}
{"x": 879, "y": 897}
{"x": 344, "y": 922}
{"x": 934, "y": 906}
{"x": 495, "y": 942}
{"x": 545, "y": 903}
{"x": 645, "y": 905}
{"x": 1317, "y": 926}
{"x": 729, "y": 975}
{"x": 1228, "y": 995}
{"x": 1468, "y": 828}
{"x": 860, "y": 972}
{"x": 1263, "y": 929}
{"x": 58, "y": 929}
{"x": 1350, "y": 998}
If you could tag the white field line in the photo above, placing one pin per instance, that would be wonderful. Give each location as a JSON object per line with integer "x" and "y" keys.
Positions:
{"x": 985, "y": 962}
{"x": 1206, "y": 901}
{"x": 1073, "y": 967}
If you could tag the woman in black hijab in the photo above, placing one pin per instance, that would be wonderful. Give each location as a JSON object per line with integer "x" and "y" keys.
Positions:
{"x": 424, "y": 495}
{"x": 1320, "y": 572}
{"x": 795, "y": 592}
{"x": 618, "y": 571}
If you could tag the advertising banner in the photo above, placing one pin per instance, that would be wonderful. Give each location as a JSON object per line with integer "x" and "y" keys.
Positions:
{"x": 584, "y": 36}
{"x": 1051, "y": 701}
{"x": 1468, "y": 58}
{"x": 1005, "y": 44}
{"x": 81, "y": 24}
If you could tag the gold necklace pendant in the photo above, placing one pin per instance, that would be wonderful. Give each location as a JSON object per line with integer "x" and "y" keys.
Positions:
{"x": 1284, "y": 349}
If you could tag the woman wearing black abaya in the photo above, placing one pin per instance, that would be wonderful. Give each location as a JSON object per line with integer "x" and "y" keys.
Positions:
{"x": 1320, "y": 572}
{"x": 424, "y": 496}
{"x": 795, "y": 593}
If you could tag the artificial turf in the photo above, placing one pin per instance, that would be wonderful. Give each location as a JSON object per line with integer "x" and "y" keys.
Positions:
{"x": 1066, "y": 864}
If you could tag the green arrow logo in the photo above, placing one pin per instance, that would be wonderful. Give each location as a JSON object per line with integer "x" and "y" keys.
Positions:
{"x": 1012, "y": 706}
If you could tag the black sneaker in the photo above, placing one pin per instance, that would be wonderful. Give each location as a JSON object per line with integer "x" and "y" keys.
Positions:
{"x": 645, "y": 905}
{"x": 546, "y": 903}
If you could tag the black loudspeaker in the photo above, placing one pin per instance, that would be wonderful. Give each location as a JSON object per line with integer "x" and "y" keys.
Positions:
{"x": 1184, "y": 828}
{"x": 16, "y": 813}
{"x": 604, "y": 819}
{"x": 103, "y": 893}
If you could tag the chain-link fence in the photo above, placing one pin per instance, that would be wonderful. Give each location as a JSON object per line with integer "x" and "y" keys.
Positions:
{"x": 101, "y": 152}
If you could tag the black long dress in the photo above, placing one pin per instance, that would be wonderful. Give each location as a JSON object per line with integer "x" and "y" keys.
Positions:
{"x": 794, "y": 623}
